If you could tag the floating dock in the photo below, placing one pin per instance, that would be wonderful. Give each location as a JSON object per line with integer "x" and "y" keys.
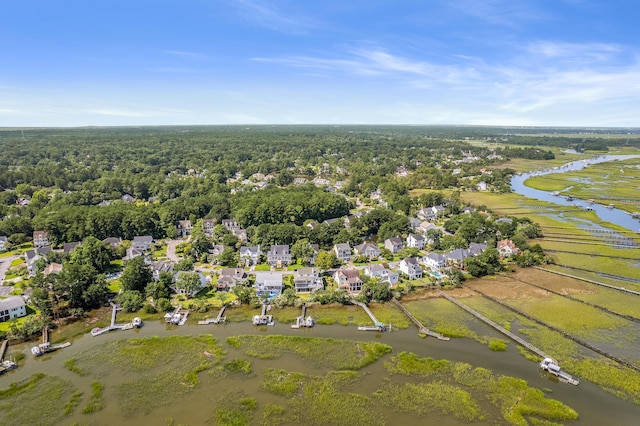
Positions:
{"x": 113, "y": 326}
{"x": 263, "y": 318}
{"x": 178, "y": 317}
{"x": 553, "y": 368}
{"x": 303, "y": 320}
{"x": 220, "y": 319}
{"x": 378, "y": 326}
{"x": 421, "y": 328}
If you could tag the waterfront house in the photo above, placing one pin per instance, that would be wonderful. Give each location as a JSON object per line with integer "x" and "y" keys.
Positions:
{"x": 382, "y": 273}
{"x": 230, "y": 224}
{"x": 230, "y": 277}
{"x": 476, "y": 249}
{"x": 307, "y": 280}
{"x": 348, "y": 279}
{"x": 269, "y": 283}
{"x": 434, "y": 261}
{"x": 11, "y": 308}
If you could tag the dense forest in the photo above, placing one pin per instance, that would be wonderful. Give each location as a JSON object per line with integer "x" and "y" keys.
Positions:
{"x": 123, "y": 182}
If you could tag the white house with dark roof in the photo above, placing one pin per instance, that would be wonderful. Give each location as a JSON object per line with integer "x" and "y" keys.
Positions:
{"x": 278, "y": 255}
{"x": 342, "y": 251}
{"x": 12, "y": 307}
{"x": 230, "y": 224}
{"x": 307, "y": 280}
{"x": 416, "y": 241}
{"x": 382, "y": 273}
{"x": 250, "y": 255}
{"x": 435, "y": 261}
{"x": 208, "y": 225}
{"x": 394, "y": 244}
{"x": 185, "y": 227}
{"x": 411, "y": 267}
{"x": 40, "y": 238}
{"x": 368, "y": 250}
{"x": 142, "y": 243}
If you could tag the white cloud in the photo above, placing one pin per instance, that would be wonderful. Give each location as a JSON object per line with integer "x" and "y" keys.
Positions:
{"x": 268, "y": 16}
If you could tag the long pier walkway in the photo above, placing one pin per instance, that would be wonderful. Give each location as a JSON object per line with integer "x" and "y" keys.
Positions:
{"x": 499, "y": 328}
{"x": 3, "y": 349}
{"x": 421, "y": 328}
{"x": 377, "y": 324}
{"x": 613, "y": 287}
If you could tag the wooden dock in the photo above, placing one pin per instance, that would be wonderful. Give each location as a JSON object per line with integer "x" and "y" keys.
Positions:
{"x": 421, "y": 328}
{"x": 303, "y": 320}
{"x": 3, "y": 349}
{"x": 499, "y": 328}
{"x": 220, "y": 319}
{"x": 378, "y": 326}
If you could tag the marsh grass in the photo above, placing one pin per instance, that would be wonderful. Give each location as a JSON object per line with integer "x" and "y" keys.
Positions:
{"x": 235, "y": 409}
{"x": 154, "y": 365}
{"x": 497, "y": 345}
{"x": 39, "y": 400}
{"x": 435, "y": 397}
{"x": 332, "y": 353}
{"x": 70, "y": 364}
{"x": 443, "y": 317}
{"x": 465, "y": 385}
{"x": 96, "y": 400}
{"x": 238, "y": 365}
{"x": 73, "y": 403}
{"x": 272, "y": 415}
{"x": 320, "y": 400}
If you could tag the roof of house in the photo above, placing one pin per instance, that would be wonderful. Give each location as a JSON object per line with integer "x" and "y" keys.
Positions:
{"x": 343, "y": 246}
{"x": 11, "y": 303}
{"x": 279, "y": 249}
{"x": 250, "y": 250}
{"x": 68, "y": 247}
{"x": 416, "y": 237}
{"x": 143, "y": 239}
{"x": 364, "y": 247}
{"x": 52, "y": 268}
{"x": 411, "y": 261}
{"x": 436, "y": 257}
{"x": 394, "y": 240}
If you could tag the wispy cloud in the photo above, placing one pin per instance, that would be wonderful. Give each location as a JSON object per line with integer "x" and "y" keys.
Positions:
{"x": 574, "y": 52}
{"x": 507, "y": 13}
{"x": 378, "y": 62}
{"x": 269, "y": 16}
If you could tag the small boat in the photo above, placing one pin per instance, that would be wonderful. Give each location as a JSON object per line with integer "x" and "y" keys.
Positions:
{"x": 36, "y": 351}
{"x": 309, "y": 322}
{"x": 137, "y": 322}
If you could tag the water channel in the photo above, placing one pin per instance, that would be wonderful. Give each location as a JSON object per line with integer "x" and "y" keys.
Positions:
{"x": 595, "y": 406}
{"x": 613, "y": 215}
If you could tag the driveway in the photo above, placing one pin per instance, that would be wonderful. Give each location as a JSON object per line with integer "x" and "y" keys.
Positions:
{"x": 171, "y": 250}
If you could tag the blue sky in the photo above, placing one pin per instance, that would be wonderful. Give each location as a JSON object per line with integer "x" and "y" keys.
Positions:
{"x": 165, "y": 62}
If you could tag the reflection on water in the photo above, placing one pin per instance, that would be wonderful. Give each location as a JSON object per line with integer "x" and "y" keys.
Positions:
{"x": 613, "y": 215}
{"x": 593, "y": 404}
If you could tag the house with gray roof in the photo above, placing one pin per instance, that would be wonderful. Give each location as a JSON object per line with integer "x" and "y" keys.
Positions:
{"x": 394, "y": 244}
{"x": 250, "y": 255}
{"x": 367, "y": 250}
{"x": 12, "y": 307}
{"x": 269, "y": 283}
{"x": 343, "y": 252}
{"x": 411, "y": 267}
{"x": 279, "y": 255}
{"x": 307, "y": 280}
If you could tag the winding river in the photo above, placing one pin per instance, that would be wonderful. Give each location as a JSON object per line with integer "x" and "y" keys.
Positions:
{"x": 613, "y": 215}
